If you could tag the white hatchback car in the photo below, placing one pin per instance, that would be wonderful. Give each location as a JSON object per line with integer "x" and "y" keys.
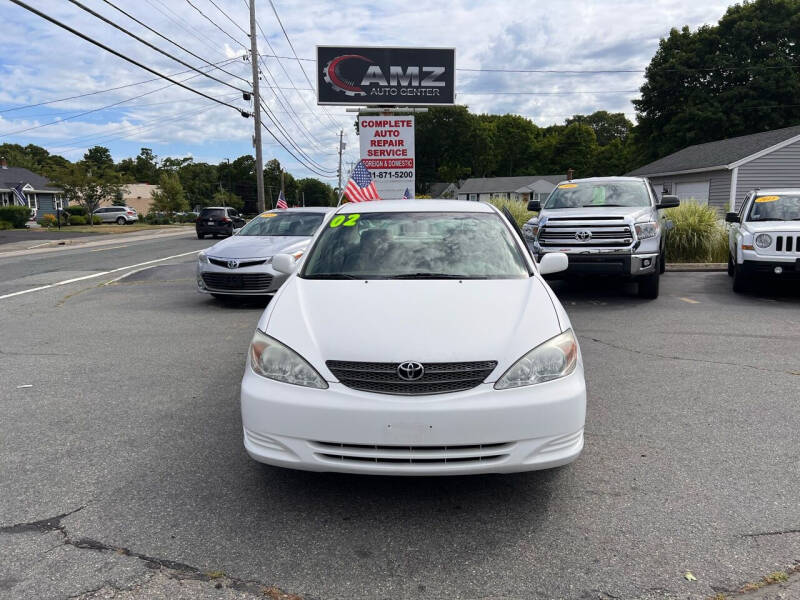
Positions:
{"x": 415, "y": 338}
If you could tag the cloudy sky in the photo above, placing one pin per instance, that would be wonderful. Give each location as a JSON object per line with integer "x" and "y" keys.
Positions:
{"x": 41, "y": 62}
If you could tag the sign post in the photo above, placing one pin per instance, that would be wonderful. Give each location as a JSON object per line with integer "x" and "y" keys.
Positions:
{"x": 387, "y": 150}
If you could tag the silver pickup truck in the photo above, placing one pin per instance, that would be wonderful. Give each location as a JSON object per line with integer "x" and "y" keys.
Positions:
{"x": 606, "y": 226}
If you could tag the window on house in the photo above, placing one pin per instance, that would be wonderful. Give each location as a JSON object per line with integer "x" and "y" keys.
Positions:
{"x": 666, "y": 189}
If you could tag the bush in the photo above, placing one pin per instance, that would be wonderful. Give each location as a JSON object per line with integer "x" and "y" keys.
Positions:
{"x": 77, "y": 209}
{"x": 77, "y": 220}
{"x": 5, "y": 225}
{"x": 96, "y": 219}
{"x": 16, "y": 215}
{"x": 697, "y": 236}
{"x": 48, "y": 221}
{"x": 154, "y": 219}
{"x": 517, "y": 208}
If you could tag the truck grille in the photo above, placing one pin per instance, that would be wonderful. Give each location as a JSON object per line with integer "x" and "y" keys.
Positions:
{"x": 578, "y": 231}
{"x": 237, "y": 281}
{"x": 412, "y": 455}
{"x": 438, "y": 378}
{"x": 787, "y": 243}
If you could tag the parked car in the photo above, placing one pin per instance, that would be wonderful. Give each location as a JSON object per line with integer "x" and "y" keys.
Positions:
{"x": 415, "y": 338}
{"x": 242, "y": 265}
{"x": 217, "y": 221}
{"x": 764, "y": 237}
{"x": 606, "y": 226}
{"x": 121, "y": 215}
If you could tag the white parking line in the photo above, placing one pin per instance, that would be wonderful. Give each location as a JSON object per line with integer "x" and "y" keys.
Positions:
{"x": 66, "y": 281}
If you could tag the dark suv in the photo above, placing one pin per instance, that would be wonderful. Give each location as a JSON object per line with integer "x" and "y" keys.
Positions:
{"x": 217, "y": 220}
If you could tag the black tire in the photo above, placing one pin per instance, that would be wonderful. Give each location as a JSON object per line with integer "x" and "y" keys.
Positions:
{"x": 201, "y": 236}
{"x": 121, "y": 221}
{"x": 662, "y": 261}
{"x": 741, "y": 282}
{"x": 648, "y": 285}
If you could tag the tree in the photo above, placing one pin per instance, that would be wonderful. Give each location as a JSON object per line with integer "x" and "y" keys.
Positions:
{"x": 575, "y": 149}
{"x": 87, "y": 186}
{"x": 99, "y": 158}
{"x": 200, "y": 182}
{"x": 607, "y": 126}
{"x": 169, "y": 197}
{"x": 225, "y": 198}
{"x": 737, "y": 77}
{"x": 145, "y": 167}
{"x": 515, "y": 154}
{"x": 316, "y": 192}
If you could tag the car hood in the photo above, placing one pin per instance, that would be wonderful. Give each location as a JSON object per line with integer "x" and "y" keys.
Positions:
{"x": 398, "y": 320}
{"x": 256, "y": 246}
{"x": 632, "y": 212}
{"x": 770, "y": 226}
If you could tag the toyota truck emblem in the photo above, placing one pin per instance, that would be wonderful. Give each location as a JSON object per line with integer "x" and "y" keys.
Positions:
{"x": 583, "y": 235}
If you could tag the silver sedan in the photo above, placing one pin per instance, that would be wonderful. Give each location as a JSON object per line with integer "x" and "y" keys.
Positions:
{"x": 241, "y": 265}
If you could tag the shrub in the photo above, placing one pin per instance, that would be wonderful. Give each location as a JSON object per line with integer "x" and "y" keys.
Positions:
{"x": 77, "y": 220}
{"x": 517, "y": 208}
{"x": 154, "y": 219}
{"x": 697, "y": 235}
{"x": 16, "y": 215}
{"x": 48, "y": 221}
{"x": 77, "y": 209}
{"x": 5, "y": 225}
{"x": 96, "y": 219}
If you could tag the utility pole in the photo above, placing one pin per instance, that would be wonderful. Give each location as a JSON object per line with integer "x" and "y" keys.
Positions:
{"x": 256, "y": 110}
{"x": 341, "y": 132}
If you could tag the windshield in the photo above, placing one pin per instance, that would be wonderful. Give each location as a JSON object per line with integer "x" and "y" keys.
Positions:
{"x": 598, "y": 193}
{"x": 283, "y": 223}
{"x": 416, "y": 245}
{"x": 785, "y": 207}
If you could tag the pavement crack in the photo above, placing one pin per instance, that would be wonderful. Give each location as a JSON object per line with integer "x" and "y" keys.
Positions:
{"x": 693, "y": 360}
{"x": 42, "y": 526}
{"x": 768, "y": 533}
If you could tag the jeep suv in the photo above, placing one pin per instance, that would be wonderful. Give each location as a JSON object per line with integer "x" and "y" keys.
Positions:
{"x": 606, "y": 226}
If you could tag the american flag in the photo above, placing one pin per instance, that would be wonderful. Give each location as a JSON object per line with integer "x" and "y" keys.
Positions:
{"x": 360, "y": 186}
{"x": 282, "y": 201}
{"x": 19, "y": 196}
{"x": 407, "y": 195}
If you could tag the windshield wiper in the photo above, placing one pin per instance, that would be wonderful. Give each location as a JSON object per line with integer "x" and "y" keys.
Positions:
{"x": 605, "y": 205}
{"x": 432, "y": 276}
{"x": 331, "y": 276}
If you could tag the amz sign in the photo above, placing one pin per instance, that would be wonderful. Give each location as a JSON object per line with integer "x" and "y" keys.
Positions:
{"x": 385, "y": 76}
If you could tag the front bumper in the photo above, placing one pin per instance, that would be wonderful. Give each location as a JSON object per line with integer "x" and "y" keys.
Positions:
{"x": 789, "y": 267}
{"x": 482, "y": 430}
{"x": 258, "y": 280}
{"x": 623, "y": 263}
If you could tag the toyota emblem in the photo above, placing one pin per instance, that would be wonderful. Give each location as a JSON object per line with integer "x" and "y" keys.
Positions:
{"x": 410, "y": 370}
{"x": 583, "y": 235}
{"x": 233, "y": 263}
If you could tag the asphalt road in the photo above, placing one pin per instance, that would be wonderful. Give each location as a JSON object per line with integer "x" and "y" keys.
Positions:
{"x": 122, "y": 471}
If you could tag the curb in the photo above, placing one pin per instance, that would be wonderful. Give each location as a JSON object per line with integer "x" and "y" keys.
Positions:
{"x": 696, "y": 267}
{"x": 93, "y": 241}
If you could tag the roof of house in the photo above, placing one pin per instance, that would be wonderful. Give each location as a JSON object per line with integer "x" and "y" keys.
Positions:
{"x": 11, "y": 177}
{"x": 540, "y": 186}
{"x": 487, "y": 185}
{"x": 717, "y": 154}
{"x": 438, "y": 188}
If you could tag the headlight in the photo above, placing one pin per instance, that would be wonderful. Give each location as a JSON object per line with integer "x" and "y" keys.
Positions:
{"x": 202, "y": 258}
{"x": 271, "y": 359}
{"x": 646, "y": 230}
{"x": 763, "y": 240}
{"x": 553, "y": 359}
{"x": 530, "y": 229}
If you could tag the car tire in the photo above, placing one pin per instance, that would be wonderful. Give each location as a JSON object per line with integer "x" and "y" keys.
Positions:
{"x": 121, "y": 221}
{"x": 648, "y": 285}
{"x": 730, "y": 265}
{"x": 662, "y": 261}
{"x": 741, "y": 282}
{"x": 201, "y": 236}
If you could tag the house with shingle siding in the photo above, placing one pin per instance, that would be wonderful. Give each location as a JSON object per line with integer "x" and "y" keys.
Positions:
{"x": 721, "y": 173}
{"x": 38, "y": 191}
{"x": 522, "y": 188}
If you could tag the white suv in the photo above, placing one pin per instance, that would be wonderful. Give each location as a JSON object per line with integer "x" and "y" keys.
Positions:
{"x": 765, "y": 237}
{"x": 121, "y": 215}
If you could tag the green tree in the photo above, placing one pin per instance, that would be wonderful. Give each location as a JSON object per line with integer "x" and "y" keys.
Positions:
{"x": 515, "y": 155}
{"x": 87, "y": 186}
{"x": 737, "y": 77}
{"x": 316, "y": 192}
{"x": 575, "y": 149}
{"x": 99, "y": 158}
{"x": 607, "y": 126}
{"x": 170, "y": 197}
{"x": 200, "y": 182}
{"x": 145, "y": 166}
{"x": 226, "y": 198}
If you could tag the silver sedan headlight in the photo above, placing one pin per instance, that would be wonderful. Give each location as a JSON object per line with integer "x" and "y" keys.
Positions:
{"x": 763, "y": 240}
{"x": 202, "y": 258}
{"x": 273, "y": 360}
{"x": 553, "y": 359}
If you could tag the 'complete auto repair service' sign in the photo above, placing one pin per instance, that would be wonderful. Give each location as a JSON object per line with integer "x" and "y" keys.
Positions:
{"x": 385, "y": 76}
{"x": 387, "y": 150}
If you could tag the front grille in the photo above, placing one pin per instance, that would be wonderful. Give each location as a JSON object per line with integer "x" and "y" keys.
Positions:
{"x": 412, "y": 455}
{"x": 438, "y": 378}
{"x": 223, "y": 262}
{"x": 787, "y": 243}
{"x": 237, "y": 281}
{"x": 569, "y": 232}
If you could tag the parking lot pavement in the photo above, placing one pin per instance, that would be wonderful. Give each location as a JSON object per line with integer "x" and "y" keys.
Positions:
{"x": 122, "y": 468}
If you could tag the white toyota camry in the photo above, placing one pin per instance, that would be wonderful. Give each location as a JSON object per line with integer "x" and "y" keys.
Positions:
{"x": 415, "y": 338}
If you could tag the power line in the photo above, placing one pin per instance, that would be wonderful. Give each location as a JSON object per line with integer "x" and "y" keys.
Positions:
{"x": 178, "y": 20}
{"x": 153, "y": 46}
{"x": 290, "y": 140}
{"x": 229, "y": 18}
{"x": 174, "y": 43}
{"x": 313, "y": 170}
{"x": 214, "y": 23}
{"x": 491, "y": 93}
{"x": 122, "y": 56}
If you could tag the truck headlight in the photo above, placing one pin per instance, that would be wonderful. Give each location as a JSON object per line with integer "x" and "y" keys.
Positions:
{"x": 550, "y": 360}
{"x": 646, "y": 230}
{"x": 271, "y": 359}
{"x": 763, "y": 240}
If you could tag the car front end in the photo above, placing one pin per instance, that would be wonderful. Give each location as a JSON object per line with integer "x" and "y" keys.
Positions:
{"x": 770, "y": 249}
{"x": 237, "y": 276}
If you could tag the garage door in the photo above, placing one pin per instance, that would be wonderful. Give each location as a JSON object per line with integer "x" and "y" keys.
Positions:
{"x": 693, "y": 190}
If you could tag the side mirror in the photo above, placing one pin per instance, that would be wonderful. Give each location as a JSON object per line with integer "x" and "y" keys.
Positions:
{"x": 668, "y": 202}
{"x": 731, "y": 217}
{"x": 534, "y": 206}
{"x": 553, "y": 262}
{"x": 284, "y": 263}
